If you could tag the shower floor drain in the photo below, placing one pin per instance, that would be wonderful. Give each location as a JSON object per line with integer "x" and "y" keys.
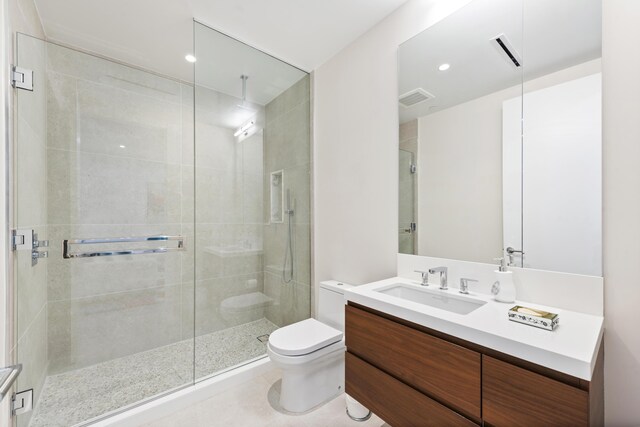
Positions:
{"x": 263, "y": 338}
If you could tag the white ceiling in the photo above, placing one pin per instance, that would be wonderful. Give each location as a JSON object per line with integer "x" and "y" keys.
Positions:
{"x": 267, "y": 76}
{"x": 555, "y": 34}
{"x": 156, "y": 35}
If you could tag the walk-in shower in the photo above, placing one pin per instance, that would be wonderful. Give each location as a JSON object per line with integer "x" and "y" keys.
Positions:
{"x": 164, "y": 262}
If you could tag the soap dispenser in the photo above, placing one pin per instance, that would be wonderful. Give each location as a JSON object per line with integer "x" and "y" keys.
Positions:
{"x": 504, "y": 289}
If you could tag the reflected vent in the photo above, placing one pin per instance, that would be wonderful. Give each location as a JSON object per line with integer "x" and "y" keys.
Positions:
{"x": 506, "y": 50}
{"x": 414, "y": 97}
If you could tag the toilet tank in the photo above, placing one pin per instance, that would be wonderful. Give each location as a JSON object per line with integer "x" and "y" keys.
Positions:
{"x": 331, "y": 303}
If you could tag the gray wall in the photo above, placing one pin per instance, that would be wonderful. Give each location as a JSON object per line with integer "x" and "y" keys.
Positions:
{"x": 287, "y": 148}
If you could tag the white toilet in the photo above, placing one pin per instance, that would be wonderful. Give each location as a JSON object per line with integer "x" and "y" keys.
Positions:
{"x": 311, "y": 353}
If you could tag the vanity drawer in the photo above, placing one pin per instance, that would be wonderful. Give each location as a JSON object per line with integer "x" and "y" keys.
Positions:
{"x": 395, "y": 402}
{"x": 515, "y": 396}
{"x": 446, "y": 372}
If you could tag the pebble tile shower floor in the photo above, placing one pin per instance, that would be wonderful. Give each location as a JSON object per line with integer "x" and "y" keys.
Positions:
{"x": 76, "y": 396}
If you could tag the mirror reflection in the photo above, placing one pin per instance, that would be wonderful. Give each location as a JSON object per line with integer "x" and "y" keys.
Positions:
{"x": 500, "y": 136}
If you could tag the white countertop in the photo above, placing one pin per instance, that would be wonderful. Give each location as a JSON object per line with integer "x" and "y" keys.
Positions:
{"x": 571, "y": 348}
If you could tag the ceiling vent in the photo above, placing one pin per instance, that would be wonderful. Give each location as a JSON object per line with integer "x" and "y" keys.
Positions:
{"x": 414, "y": 97}
{"x": 506, "y": 50}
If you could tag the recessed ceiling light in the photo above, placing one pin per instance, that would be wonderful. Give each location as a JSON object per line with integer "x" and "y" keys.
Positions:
{"x": 122, "y": 146}
{"x": 444, "y": 67}
{"x": 190, "y": 58}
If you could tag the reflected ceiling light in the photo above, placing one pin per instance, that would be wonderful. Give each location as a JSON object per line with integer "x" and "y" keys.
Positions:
{"x": 122, "y": 146}
{"x": 190, "y": 58}
{"x": 444, "y": 67}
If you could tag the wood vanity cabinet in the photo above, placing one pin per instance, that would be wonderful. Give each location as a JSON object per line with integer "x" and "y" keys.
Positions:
{"x": 410, "y": 375}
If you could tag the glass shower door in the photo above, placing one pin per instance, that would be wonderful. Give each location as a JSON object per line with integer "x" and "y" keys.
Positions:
{"x": 104, "y": 176}
{"x": 406, "y": 211}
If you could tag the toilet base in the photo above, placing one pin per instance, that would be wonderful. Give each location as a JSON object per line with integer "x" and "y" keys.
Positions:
{"x": 307, "y": 385}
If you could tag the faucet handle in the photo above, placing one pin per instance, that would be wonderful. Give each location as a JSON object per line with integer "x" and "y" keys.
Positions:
{"x": 464, "y": 285}
{"x": 425, "y": 277}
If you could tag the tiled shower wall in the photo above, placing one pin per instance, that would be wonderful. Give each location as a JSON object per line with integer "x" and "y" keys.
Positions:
{"x": 119, "y": 159}
{"x": 287, "y": 147}
{"x": 31, "y": 213}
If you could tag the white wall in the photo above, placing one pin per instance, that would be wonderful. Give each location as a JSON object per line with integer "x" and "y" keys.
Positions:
{"x": 561, "y": 176}
{"x": 460, "y": 174}
{"x": 621, "y": 129}
{"x": 356, "y": 177}
{"x": 356, "y": 148}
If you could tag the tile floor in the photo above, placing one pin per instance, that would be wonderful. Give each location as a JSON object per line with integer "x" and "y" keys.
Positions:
{"x": 255, "y": 404}
{"x": 75, "y": 396}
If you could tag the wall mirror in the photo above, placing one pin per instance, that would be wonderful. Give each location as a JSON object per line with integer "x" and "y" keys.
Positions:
{"x": 500, "y": 136}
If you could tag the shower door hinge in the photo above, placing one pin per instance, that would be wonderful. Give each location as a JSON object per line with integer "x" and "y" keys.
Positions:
{"x": 413, "y": 227}
{"x": 22, "y": 402}
{"x": 22, "y": 78}
{"x": 26, "y": 239}
{"x": 21, "y": 239}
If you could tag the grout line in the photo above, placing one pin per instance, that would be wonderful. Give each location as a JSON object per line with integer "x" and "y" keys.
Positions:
{"x": 28, "y": 329}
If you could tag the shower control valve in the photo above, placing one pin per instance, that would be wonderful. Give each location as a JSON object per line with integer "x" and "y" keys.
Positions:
{"x": 39, "y": 243}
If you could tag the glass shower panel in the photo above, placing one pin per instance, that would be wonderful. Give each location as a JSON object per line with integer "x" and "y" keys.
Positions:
{"x": 406, "y": 214}
{"x": 252, "y": 192}
{"x": 104, "y": 162}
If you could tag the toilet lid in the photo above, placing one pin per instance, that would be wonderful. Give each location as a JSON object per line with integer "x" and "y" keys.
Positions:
{"x": 303, "y": 337}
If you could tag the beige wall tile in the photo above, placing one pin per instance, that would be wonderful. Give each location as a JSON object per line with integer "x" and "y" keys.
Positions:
{"x": 88, "y": 189}
{"x": 32, "y": 353}
{"x": 31, "y": 287}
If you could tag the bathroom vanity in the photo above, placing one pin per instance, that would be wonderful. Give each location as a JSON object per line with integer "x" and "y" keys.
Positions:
{"x": 415, "y": 364}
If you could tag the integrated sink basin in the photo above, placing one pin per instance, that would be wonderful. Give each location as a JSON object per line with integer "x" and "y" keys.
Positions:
{"x": 437, "y": 299}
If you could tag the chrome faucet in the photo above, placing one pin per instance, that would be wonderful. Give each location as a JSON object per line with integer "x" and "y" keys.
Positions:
{"x": 443, "y": 276}
{"x": 425, "y": 277}
{"x": 464, "y": 285}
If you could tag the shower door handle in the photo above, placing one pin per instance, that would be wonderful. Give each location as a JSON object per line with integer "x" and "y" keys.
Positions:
{"x": 67, "y": 253}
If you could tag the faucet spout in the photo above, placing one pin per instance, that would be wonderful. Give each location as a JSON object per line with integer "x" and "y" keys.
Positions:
{"x": 443, "y": 276}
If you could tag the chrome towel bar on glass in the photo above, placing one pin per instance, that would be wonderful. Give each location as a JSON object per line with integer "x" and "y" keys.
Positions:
{"x": 66, "y": 252}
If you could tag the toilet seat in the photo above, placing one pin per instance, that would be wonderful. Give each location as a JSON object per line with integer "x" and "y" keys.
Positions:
{"x": 303, "y": 338}
{"x": 304, "y": 360}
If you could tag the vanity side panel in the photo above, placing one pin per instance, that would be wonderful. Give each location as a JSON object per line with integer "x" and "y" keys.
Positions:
{"x": 596, "y": 392}
{"x": 514, "y": 396}
{"x": 393, "y": 401}
{"x": 443, "y": 371}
